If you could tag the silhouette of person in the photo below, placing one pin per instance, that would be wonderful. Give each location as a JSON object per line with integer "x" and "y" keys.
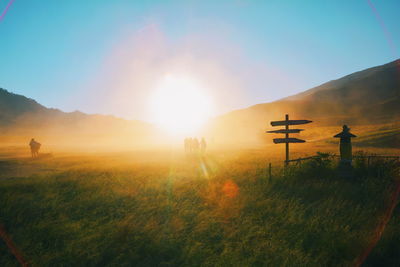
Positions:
{"x": 195, "y": 144}
{"x": 35, "y": 146}
{"x": 185, "y": 144}
{"x": 190, "y": 144}
{"x": 203, "y": 145}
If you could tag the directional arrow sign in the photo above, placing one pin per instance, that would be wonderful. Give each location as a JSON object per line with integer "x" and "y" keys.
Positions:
{"x": 286, "y": 131}
{"x": 289, "y": 122}
{"x": 288, "y": 140}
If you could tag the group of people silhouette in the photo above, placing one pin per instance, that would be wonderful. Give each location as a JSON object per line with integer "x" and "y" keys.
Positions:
{"x": 193, "y": 145}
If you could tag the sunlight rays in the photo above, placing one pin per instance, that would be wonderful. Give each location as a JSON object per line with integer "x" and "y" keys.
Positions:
{"x": 180, "y": 105}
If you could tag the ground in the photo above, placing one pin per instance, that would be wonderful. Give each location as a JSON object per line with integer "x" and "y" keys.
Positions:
{"x": 156, "y": 208}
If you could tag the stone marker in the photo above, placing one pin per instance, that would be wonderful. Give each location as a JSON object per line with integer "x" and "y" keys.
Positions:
{"x": 346, "y": 155}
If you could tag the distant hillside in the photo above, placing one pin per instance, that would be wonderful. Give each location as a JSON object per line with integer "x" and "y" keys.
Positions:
{"x": 371, "y": 96}
{"x": 367, "y": 97}
{"x": 22, "y": 117}
{"x": 13, "y": 106}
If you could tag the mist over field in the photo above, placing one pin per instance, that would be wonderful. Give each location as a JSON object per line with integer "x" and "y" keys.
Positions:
{"x": 199, "y": 133}
{"x": 365, "y": 100}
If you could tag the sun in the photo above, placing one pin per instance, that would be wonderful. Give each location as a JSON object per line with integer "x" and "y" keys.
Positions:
{"x": 180, "y": 105}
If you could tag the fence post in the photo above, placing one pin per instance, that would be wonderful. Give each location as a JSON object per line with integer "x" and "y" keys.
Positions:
{"x": 270, "y": 171}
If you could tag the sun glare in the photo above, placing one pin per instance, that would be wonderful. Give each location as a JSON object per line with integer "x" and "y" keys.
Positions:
{"x": 180, "y": 105}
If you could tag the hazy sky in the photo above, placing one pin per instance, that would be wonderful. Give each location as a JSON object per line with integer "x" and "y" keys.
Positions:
{"x": 107, "y": 56}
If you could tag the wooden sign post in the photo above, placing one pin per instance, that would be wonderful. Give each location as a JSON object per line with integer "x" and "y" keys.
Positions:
{"x": 287, "y": 131}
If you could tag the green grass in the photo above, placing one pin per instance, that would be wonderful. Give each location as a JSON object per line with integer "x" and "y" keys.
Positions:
{"x": 388, "y": 249}
{"x": 221, "y": 210}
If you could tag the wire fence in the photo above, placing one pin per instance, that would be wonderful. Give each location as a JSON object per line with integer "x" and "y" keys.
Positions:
{"x": 323, "y": 156}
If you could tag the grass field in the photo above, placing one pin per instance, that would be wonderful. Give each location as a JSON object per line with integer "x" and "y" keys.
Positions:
{"x": 163, "y": 208}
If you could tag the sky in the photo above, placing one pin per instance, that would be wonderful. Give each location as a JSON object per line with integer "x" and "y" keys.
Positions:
{"x": 108, "y": 56}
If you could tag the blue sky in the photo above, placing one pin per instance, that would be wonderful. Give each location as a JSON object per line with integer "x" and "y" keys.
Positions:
{"x": 104, "y": 56}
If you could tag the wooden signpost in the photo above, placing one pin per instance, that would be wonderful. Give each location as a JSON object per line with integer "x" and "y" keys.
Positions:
{"x": 287, "y": 131}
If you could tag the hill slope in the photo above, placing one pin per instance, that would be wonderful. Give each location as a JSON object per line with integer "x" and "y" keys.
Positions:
{"x": 12, "y": 106}
{"x": 22, "y": 118}
{"x": 371, "y": 96}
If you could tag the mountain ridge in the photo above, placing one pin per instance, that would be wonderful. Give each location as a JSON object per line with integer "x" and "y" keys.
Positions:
{"x": 368, "y": 96}
{"x": 22, "y": 117}
{"x": 27, "y": 103}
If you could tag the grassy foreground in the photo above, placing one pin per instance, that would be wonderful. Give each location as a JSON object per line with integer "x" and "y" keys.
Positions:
{"x": 168, "y": 210}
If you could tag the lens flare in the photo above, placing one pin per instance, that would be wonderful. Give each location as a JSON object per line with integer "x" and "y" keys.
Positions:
{"x": 6, "y": 10}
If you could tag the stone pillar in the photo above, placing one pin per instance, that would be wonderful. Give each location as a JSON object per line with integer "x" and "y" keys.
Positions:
{"x": 346, "y": 154}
